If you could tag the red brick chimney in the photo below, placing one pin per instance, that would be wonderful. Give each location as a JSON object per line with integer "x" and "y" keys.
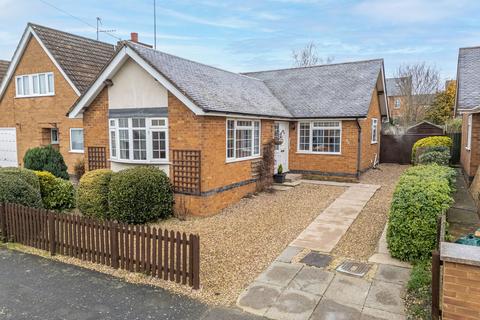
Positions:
{"x": 134, "y": 37}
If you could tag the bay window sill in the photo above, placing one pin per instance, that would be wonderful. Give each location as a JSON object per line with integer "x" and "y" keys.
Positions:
{"x": 320, "y": 153}
{"x": 148, "y": 162}
{"x": 242, "y": 159}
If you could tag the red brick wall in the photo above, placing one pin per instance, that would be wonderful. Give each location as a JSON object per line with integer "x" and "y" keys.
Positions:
{"x": 369, "y": 150}
{"x": 461, "y": 291}
{"x": 470, "y": 159}
{"x": 31, "y": 115}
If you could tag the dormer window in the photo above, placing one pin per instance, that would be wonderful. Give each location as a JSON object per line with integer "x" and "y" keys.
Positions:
{"x": 35, "y": 85}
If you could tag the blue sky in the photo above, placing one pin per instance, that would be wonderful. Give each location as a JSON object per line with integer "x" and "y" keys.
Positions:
{"x": 257, "y": 35}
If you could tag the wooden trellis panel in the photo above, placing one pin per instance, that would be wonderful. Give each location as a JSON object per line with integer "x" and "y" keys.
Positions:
{"x": 97, "y": 158}
{"x": 187, "y": 171}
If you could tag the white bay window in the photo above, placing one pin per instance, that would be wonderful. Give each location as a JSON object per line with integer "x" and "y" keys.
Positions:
{"x": 243, "y": 139}
{"x": 143, "y": 140}
{"x": 320, "y": 137}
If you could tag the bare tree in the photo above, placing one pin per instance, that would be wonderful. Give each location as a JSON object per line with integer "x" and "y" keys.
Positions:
{"x": 417, "y": 84}
{"x": 308, "y": 56}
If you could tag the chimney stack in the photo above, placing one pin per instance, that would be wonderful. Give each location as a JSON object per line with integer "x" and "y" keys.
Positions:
{"x": 134, "y": 37}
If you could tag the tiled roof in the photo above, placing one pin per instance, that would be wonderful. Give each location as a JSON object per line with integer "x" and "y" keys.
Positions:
{"x": 468, "y": 94}
{"x": 81, "y": 58}
{"x": 394, "y": 86}
{"x": 213, "y": 89}
{"x": 3, "y": 68}
{"x": 334, "y": 90}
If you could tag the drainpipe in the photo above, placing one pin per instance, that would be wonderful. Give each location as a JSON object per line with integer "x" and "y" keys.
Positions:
{"x": 359, "y": 149}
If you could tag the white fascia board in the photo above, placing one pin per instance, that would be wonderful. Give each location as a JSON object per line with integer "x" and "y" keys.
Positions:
{"x": 382, "y": 71}
{"x": 468, "y": 111}
{"x": 29, "y": 32}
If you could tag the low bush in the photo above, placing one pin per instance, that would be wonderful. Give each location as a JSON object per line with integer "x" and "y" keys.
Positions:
{"x": 46, "y": 159}
{"x": 27, "y": 175}
{"x": 79, "y": 169}
{"x": 431, "y": 142}
{"x": 57, "y": 194}
{"x": 435, "y": 157}
{"x": 139, "y": 195}
{"x": 421, "y": 195}
{"x": 14, "y": 189}
{"x": 419, "y": 291}
{"x": 92, "y": 193}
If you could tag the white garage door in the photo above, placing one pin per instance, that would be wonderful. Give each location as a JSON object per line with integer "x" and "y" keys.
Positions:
{"x": 8, "y": 147}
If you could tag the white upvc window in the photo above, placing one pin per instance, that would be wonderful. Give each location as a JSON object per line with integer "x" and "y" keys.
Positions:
{"x": 374, "y": 130}
{"x": 469, "y": 132}
{"x": 54, "y": 136}
{"x": 243, "y": 139}
{"x": 35, "y": 85}
{"x": 319, "y": 136}
{"x": 142, "y": 140}
{"x": 397, "y": 103}
{"x": 76, "y": 140}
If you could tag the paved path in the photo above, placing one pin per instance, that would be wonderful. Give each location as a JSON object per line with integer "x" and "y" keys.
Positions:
{"x": 32, "y": 287}
{"x": 327, "y": 229}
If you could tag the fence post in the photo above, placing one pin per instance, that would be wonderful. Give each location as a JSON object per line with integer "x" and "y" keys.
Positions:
{"x": 3, "y": 218}
{"x": 114, "y": 244}
{"x": 51, "y": 232}
{"x": 435, "y": 285}
{"x": 196, "y": 262}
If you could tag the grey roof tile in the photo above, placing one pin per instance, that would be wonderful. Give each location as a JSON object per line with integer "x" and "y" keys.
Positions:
{"x": 213, "y": 89}
{"x": 81, "y": 58}
{"x": 333, "y": 90}
{"x": 468, "y": 94}
{"x": 3, "y": 68}
{"x": 394, "y": 86}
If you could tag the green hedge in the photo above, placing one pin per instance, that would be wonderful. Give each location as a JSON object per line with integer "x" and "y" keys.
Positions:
{"x": 14, "y": 189}
{"x": 434, "y": 141}
{"x": 139, "y": 195}
{"x": 421, "y": 195}
{"x": 419, "y": 291}
{"x": 92, "y": 193}
{"x": 435, "y": 157}
{"x": 46, "y": 159}
{"x": 28, "y": 176}
{"x": 57, "y": 194}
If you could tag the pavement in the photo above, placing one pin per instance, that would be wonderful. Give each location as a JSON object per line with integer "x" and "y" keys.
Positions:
{"x": 462, "y": 217}
{"x": 32, "y": 287}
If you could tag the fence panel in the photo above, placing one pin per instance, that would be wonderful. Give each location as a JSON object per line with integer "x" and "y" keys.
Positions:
{"x": 156, "y": 252}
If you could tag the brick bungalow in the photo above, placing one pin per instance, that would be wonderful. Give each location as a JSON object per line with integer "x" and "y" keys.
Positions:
{"x": 468, "y": 106}
{"x": 49, "y": 71}
{"x": 209, "y": 128}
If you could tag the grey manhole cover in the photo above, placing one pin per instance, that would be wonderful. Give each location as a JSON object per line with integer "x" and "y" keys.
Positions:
{"x": 316, "y": 259}
{"x": 353, "y": 268}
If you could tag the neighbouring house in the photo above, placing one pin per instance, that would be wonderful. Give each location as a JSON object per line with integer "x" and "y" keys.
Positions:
{"x": 50, "y": 69}
{"x": 468, "y": 106}
{"x": 3, "y": 68}
{"x": 397, "y": 95}
{"x": 210, "y": 130}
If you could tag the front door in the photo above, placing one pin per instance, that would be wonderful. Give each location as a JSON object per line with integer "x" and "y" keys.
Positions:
{"x": 281, "y": 150}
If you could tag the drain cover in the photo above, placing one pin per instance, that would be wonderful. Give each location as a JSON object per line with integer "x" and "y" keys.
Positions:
{"x": 316, "y": 259}
{"x": 353, "y": 268}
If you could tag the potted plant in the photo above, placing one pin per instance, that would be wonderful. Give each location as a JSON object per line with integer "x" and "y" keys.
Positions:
{"x": 279, "y": 177}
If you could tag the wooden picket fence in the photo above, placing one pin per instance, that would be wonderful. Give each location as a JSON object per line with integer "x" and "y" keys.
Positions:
{"x": 160, "y": 253}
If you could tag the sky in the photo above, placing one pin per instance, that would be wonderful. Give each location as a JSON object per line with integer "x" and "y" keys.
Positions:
{"x": 256, "y": 35}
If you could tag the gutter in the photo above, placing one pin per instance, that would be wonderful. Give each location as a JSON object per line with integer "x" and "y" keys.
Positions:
{"x": 359, "y": 148}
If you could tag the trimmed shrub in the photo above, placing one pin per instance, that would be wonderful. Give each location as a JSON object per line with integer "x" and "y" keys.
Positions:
{"x": 419, "y": 291}
{"x": 26, "y": 175}
{"x": 139, "y": 195}
{"x": 14, "y": 189}
{"x": 431, "y": 142}
{"x": 422, "y": 194}
{"x": 441, "y": 158}
{"x": 46, "y": 159}
{"x": 92, "y": 193}
{"x": 57, "y": 194}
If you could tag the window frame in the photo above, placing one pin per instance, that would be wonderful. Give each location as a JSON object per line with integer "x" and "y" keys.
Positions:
{"x": 310, "y": 138}
{"x": 374, "y": 127}
{"x": 113, "y": 126}
{"x": 397, "y": 105}
{"x": 469, "y": 132}
{"x": 52, "y": 141}
{"x": 253, "y": 128}
{"x": 83, "y": 136}
{"x": 32, "y": 79}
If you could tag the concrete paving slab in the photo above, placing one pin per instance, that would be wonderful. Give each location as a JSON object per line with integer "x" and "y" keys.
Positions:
{"x": 386, "y": 296}
{"x": 322, "y": 239}
{"x": 375, "y": 314}
{"x": 288, "y": 254}
{"x": 279, "y": 273}
{"x": 393, "y": 274}
{"x": 331, "y": 310}
{"x": 223, "y": 314}
{"x": 293, "y": 305}
{"x": 382, "y": 258}
{"x": 312, "y": 280}
{"x": 258, "y": 298}
{"x": 348, "y": 290}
